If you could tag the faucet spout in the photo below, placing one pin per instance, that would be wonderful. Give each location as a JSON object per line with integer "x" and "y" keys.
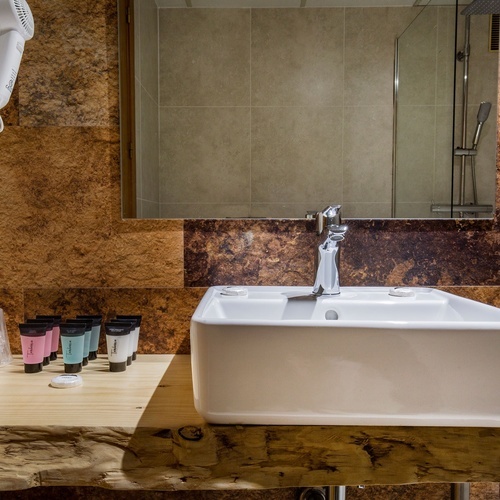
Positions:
{"x": 328, "y": 223}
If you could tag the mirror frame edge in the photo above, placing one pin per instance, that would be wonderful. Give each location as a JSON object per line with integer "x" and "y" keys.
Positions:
{"x": 128, "y": 187}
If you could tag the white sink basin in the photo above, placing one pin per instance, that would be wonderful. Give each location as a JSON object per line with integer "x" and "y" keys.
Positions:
{"x": 273, "y": 355}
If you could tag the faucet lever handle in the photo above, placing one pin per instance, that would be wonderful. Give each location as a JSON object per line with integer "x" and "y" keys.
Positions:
{"x": 338, "y": 229}
{"x": 327, "y": 218}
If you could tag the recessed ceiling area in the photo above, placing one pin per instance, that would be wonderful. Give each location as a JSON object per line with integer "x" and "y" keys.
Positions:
{"x": 299, "y": 3}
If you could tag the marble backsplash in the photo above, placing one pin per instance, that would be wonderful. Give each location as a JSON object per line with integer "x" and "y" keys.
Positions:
{"x": 374, "y": 253}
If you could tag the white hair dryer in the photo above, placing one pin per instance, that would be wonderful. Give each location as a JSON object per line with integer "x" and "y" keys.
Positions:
{"x": 16, "y": 26}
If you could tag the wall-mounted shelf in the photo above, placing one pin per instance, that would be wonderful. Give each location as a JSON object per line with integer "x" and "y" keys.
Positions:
{"x": 139, "y": 430}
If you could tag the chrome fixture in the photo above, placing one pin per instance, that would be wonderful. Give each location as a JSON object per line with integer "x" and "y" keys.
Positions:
{"x": 477, "y": 7}
{"x": 323, "y": 493}
{"x": 460, "y": 491}
{"x": 327, "y": 264}
{"x": 469, "y": 153}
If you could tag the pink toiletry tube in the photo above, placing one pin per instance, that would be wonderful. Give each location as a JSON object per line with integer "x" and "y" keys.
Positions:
{"x": 49, "y": 325}
{"x": 56, "y": 332}
{"x": 33, "y": 345}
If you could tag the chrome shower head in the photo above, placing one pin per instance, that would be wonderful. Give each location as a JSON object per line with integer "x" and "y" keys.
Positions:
{"x": 478, "y": 7}
{"x": 482, "y": 116}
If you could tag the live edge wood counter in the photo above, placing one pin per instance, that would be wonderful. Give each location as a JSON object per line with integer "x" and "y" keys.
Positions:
{"x": 139, "y": 430}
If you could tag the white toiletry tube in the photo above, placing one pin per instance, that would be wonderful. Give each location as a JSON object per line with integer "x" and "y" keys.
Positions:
{"x": 117, "y": 341}
{"x": 135, "y": 332}
{"x": 132, "y": 324}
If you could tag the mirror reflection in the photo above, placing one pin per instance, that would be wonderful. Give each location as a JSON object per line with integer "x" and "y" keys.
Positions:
{"x": 274, "y": 112}
{"x": 441, "y": 169}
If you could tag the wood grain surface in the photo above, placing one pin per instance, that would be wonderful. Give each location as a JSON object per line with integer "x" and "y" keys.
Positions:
{"x": 139, "y": 430}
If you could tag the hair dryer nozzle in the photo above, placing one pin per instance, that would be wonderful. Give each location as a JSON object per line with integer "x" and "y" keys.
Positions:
{"x": 11, "y": 51}
{"x": 16, "y": 15}
{"x": 16, "y": 26}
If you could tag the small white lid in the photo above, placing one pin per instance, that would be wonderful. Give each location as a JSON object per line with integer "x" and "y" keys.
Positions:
{"x": 402, "y": 292}
{"x": 67, "y": 380}
{"x": 234, "y": 291}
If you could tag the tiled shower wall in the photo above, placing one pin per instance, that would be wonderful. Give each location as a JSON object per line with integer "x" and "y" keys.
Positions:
{"x": 302, "y": 100}
{"x": 147, "y": 108}
{"x": 425, "y": 111}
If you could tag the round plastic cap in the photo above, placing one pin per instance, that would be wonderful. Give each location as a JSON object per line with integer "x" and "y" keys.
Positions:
{"x": 66, "y": 381}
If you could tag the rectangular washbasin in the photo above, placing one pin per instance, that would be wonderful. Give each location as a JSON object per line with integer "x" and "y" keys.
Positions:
{"x": 369, "y": 356}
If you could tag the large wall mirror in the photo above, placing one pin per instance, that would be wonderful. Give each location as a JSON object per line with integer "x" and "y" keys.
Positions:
{"x": 242, "y": 111}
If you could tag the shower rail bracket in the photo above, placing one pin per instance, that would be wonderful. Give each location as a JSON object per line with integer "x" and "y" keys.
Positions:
{"x": 465, "y": 152}
{"x": 463, "y": 208}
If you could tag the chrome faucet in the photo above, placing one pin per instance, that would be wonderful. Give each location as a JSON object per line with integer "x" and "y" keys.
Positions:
{"x": 327, "y": 264}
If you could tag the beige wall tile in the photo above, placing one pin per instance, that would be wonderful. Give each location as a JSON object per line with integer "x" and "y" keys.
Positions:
{"x": 418, "y": 60}
{"x": 445, "y": 69}
{"x": 415, "y": 158}
{"x": 205, "y": 155}
{"x": 137, "y": 38}
{"x": 362, "y": 210}
{"x": 147, "y": 113}
{"x": 205, "y": 57}
{"x": 138, "y": 141}
{"x": 297, "y": 57}
{"x": 150, "y": 148}
{"x": 204, "y": 210}
{"x": 149, "y": 40}
{"x": 290, "y": 210}
{"x": 367, "y": 171}
{"x": 296, "y": 154}
{"x": 483, "y": 65}
{"x": 422, "y": 210}
{"x": 245, "y": 3}
{"x": 150, "y": 209}
{"x": 369, "y": 53}
{"x": 442, "y": 157}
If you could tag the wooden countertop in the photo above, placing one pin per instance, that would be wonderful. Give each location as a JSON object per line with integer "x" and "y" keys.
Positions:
{"x": 139, "y": 430}
{"x": 155, "y": 391}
